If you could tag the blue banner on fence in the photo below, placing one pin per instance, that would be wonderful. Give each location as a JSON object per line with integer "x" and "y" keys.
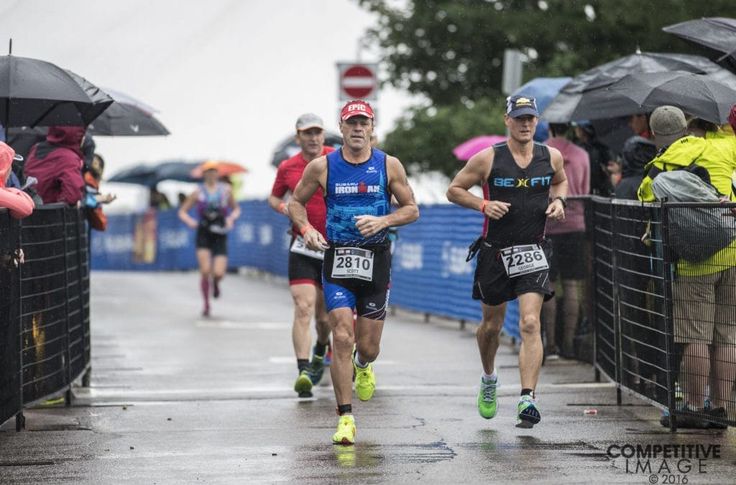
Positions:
{"x": 429, "y": 272}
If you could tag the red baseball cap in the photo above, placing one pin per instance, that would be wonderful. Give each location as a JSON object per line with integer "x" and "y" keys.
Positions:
{"x": 356, "y": 107}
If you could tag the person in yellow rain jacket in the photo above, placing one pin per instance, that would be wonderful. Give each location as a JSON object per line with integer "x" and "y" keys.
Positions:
{"x": 704, "y": 292}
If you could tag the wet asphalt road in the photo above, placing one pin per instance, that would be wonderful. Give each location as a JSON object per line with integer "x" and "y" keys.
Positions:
{"x": 180, "y": 399}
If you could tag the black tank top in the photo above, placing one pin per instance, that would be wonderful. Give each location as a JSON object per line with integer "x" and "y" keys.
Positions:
{"x": 526, "y": 189}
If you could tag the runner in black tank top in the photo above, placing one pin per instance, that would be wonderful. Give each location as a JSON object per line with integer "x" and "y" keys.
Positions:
{"x": 523, "y": 184}
{"x": 526, "y": 189}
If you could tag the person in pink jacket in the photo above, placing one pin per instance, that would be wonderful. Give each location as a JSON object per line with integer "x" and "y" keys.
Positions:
{"x": 18, "y": 203}
{"x": 568, "y": 245}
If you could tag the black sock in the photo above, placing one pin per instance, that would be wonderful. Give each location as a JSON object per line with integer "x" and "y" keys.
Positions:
{"x": 302, "y": 364}
{"x": 320, "y": 348}
{"x": 527, "y": 392}
{"x": 344, "y": 409}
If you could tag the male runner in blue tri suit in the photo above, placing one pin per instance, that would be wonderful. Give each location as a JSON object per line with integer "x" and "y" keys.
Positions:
{"x": 358, "y": 182}
{"x": 524, "y": 184}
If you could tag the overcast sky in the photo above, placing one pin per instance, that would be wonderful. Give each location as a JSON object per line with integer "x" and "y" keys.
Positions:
{"x": 229, "y": 77}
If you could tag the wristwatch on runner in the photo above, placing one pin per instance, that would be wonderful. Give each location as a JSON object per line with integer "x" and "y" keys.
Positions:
{"x": 561, "y": 199}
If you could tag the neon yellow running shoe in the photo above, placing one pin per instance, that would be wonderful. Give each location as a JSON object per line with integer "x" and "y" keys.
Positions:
{"x": 487, "y": 401}
{"x": 345, "y": 434}
{"x": 365, "y": 382}
{"x": 303, "y": 384}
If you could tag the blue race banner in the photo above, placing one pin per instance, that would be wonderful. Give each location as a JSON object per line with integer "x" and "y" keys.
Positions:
{"x": 429, "y": 272}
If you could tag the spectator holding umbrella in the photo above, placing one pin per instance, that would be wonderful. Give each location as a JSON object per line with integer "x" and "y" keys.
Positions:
{"x": 57, "y": 164}
{"x": 15, "y": 200}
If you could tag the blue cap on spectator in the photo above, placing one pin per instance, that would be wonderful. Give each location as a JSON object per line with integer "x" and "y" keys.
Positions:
{"x": 517, "y": 106}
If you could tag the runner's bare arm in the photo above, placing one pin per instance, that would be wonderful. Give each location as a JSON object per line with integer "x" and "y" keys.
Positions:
{"x": 185, "y": 207}
{"x": 556, "y": 209}
{"x": 278, "y": 204}
{"x": 406, "y": 213}
{"x": 234, "y": 210}
{"x": 314, "y": 177}
{"x": 476, "y": 172}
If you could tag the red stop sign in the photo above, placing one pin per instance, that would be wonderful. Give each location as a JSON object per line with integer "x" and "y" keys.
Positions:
{"x": 358, "y": 81}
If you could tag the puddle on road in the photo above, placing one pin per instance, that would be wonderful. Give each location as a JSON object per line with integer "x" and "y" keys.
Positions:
{"x": 367, "y": 455}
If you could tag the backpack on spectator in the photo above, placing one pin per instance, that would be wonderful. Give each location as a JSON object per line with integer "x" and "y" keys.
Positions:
{"x": 695, "y": 233}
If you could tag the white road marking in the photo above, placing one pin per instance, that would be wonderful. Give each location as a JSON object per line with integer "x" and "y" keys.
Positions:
{"x": 233, "y": 324}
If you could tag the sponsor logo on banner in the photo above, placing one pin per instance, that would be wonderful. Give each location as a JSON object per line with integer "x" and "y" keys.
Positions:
{"x": 118, "y": 243}
{"x": 410, "y": 256}
{"x": 174, "y": 239}
{"x": 265, "y": 235}
{"x": 453, "y": 260}
{"x": 246, "y": 232}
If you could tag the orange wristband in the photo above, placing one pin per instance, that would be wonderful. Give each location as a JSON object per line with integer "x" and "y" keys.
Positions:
{"x": 483, "y": 205}
{"x": 305, "y": 229}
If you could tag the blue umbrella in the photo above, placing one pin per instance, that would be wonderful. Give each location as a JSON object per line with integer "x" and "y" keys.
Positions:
{"x": 543, "y": 89}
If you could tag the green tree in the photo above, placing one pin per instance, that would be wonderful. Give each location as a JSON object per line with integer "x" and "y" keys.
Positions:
{"x": 451, "y": 51}
{"x": 425, "y": 136}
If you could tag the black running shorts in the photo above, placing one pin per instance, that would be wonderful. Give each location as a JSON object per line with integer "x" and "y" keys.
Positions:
{"x": 216, "y": 243}
{"x": 304, "y": 270}
{"x": 492, "y": 285}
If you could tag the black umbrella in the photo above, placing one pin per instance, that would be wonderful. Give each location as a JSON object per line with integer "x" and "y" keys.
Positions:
{"x": 34, "y": 92}
{"x": 288, "y": 147}
{"x": 586, "y": 89}
{"x": 150, "y": 175}
{"x": 138, "y": 175}
{"x": 127, "y": 117}
{"x": 716, "y": 34}
{"x": 695, "y": 94}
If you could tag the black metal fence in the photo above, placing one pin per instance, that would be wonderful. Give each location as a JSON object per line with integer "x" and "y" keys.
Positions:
{"x": 44, "y": 307}
{"x": 663, "y": 330}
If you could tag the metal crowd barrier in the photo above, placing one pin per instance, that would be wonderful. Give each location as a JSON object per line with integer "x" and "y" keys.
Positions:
{"x": 44, "y": 307}
{"x": 637, "y": 311}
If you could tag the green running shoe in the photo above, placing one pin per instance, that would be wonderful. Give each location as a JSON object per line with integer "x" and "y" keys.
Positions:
{"x": 528, "y": 413}
{"x": 487, "y": 398}
{"x": 303, "y": 384}
{"x": 316, "y": 369}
